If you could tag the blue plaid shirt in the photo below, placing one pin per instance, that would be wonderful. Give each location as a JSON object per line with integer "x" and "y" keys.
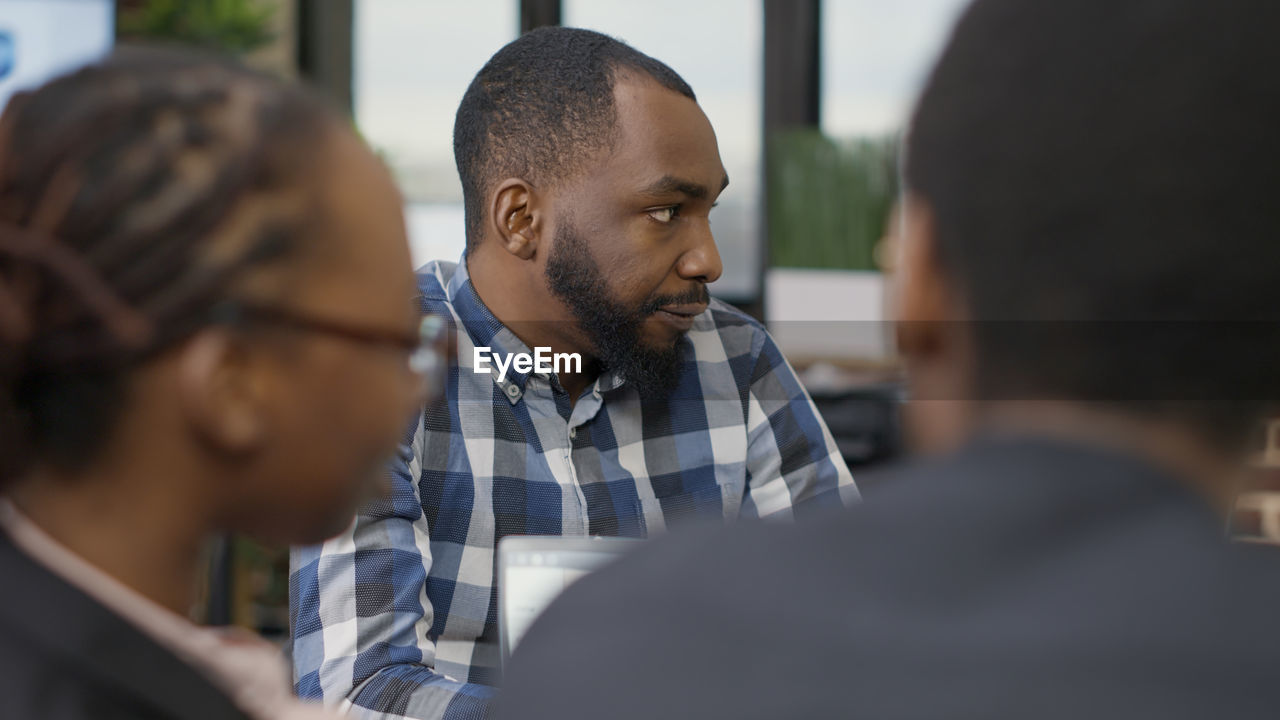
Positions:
{"x": 398, "y": 616}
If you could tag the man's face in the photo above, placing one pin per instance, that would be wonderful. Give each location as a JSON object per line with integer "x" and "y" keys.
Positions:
{"x": 632, "y": 250}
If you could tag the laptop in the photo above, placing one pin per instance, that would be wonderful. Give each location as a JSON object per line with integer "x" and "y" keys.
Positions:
{"x": 534, "y": 569}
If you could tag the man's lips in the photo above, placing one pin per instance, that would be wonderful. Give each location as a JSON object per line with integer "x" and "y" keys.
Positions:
{"x": 689, "y": 309}
{"x": 680, "y": 317}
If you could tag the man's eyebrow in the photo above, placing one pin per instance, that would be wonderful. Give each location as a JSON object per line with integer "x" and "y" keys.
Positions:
{"x": 670, "y": 184}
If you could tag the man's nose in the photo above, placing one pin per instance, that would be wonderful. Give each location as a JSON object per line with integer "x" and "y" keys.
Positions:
{"x": 702, "y": 260}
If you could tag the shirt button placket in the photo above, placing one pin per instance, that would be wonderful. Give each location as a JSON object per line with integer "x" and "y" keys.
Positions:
{"x": 577, "y": 488}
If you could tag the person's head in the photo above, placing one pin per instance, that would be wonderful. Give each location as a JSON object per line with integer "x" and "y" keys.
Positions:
{"x": 588, "y": 172}
{"x": 173, "y": 230}
{"x": 1091, "y": 213}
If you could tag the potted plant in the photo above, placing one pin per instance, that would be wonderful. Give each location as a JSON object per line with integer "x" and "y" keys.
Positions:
{"x": 828, "y": 208}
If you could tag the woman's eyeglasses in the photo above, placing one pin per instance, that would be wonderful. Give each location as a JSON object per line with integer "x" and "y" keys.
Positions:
{"x": 427, "y": 349}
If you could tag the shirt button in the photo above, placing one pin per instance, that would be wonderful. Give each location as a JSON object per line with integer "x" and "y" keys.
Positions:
{"x": 573, "y": 433}
{"x": 513, "y": 391}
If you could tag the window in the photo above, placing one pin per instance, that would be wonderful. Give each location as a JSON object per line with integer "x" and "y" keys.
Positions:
{"x": 41, "y": 39}
{"x": 413, "y": 60}
{"x": 716, "y": 46}
{"x": 875, "y": 56}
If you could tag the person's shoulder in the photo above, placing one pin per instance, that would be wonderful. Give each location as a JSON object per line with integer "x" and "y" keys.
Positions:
{"x": 1255, "y": 572}
{"x": 1252, "y": 589}
{"x": 723, "y": 315}
{"x": 34, "y": 673}
{"x": 57, "y": 641}
{"x": 725, "y": 334}
{"x": 1014, "y": 541}
{"x": 667, "y": 576}
{"x": 433, "y": 283}
{"x": 694, "y": 614}
{"x": 731, "y": 325}
{"x": 38, "y": 666}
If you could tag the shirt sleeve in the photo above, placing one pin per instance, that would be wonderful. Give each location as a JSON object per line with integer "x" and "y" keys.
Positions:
{"x": 792, "y": 461}
{"x": 361, "y": 618}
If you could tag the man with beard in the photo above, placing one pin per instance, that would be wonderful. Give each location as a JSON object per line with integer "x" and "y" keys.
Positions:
{"x": 589, "y": 173}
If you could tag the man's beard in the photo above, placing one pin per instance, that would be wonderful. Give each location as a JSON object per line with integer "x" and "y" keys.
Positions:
{"x": 611, "y": 327}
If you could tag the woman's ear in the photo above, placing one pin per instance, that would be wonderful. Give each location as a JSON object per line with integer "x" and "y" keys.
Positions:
{"x": 515, "y": 217}
{"x": 223, "y": 393}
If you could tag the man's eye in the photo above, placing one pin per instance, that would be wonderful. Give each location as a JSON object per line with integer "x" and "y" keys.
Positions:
{"x": 666, "y": 214}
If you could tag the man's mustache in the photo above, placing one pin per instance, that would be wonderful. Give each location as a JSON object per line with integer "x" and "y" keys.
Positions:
{"x": 696, "y": 294}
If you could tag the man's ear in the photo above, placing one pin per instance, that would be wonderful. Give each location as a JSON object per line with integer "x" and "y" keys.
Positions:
{"x": 922, "y": 297}
{"x": 516, "y": 217}
{"x": 933, "y": 337}
{"x": 223, "y": 393}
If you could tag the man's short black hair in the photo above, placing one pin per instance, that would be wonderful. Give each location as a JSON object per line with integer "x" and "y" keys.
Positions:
{"x": 541, "y": 106}
{"x": 1104, "y": 178}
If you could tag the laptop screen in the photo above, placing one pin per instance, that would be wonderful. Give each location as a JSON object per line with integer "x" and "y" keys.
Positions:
{"x": 534, "y": 570}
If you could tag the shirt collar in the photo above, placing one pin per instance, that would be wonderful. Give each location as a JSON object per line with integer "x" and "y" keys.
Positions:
{"x": 486, "y": 330}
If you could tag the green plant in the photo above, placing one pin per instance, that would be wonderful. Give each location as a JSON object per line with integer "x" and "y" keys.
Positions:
{"x": 829, "y": 201}
{"x": 234, "y": 26}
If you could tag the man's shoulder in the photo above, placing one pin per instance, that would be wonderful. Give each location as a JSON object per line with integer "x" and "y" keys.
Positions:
{"x": 934, "y": 558}
{"x": 725, "y": 318}
{"x": 945, "y": 525}
{"x": 725, "y": 315}
{"x": 433, "y": 280}
{"x": 724, "y": 332}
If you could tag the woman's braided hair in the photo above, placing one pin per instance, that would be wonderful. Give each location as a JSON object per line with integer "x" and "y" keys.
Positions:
{"x": 133, "y": 195}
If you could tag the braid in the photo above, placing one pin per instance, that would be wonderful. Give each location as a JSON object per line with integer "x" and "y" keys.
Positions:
{"x": 133, "y": 194}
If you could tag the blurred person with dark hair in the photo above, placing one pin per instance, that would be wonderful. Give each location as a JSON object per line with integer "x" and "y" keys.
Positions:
{"x": 1088, "y": 307}
{"x": 589, "y": 173}
{"x": 195, "y": 261}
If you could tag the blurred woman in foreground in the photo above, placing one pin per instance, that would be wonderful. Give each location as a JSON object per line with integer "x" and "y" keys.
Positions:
{"x": 206, "y": 324}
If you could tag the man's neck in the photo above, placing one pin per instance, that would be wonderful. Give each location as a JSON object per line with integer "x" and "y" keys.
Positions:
{"x": 533, "y": 315}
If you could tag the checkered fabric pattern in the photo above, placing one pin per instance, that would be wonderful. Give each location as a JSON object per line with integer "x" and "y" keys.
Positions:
{"x": 398, "y": 616}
